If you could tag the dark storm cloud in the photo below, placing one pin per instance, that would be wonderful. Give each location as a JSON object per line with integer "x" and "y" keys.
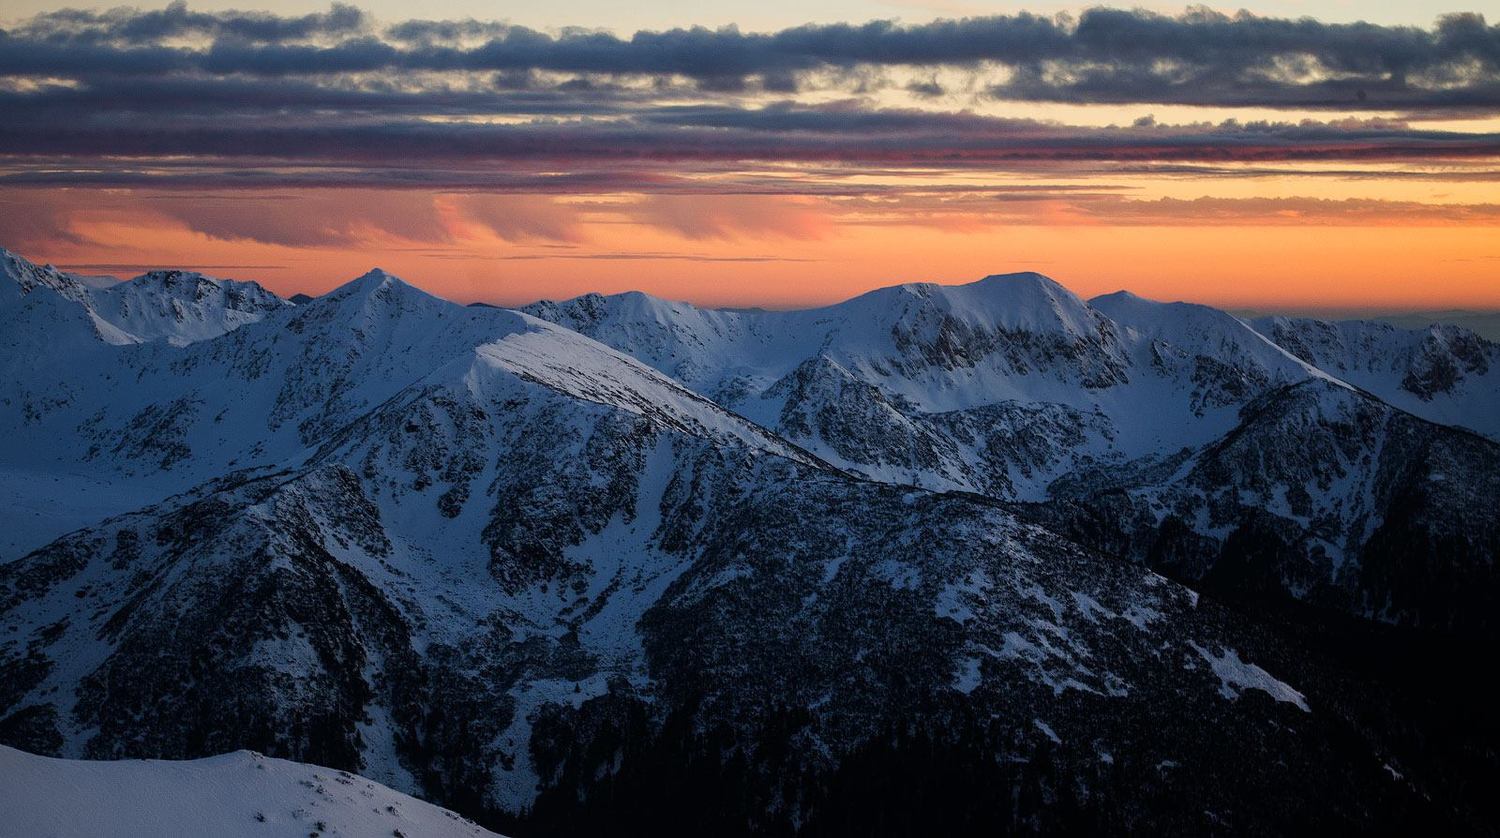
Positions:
{"x": 1200, "y": 57}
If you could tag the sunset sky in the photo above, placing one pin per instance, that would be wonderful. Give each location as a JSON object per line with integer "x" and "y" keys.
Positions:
{"x": 1310, "y": 155}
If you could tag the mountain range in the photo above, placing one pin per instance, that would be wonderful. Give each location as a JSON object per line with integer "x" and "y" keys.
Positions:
{"x": 934, "y": 559}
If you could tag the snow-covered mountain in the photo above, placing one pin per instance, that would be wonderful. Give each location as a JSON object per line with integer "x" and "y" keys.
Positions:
{"x": 1444, "y": 373}
{"x": 178, "y": 307}
{"x": 238, "y": 795}
{"x": 94, "y": 280}
{"x": 1007, "y": 384}
{"x": 1321, "y": 494}
{"x": 484, "y": 624}
{"x": 164, "y": 417}
{"x": 997, "y": 387}
{"x": 1486, "y": 324}
{"x": 1014, "y": 388}
{"x": 563, "y": 569}
{"x": 71, "y": 352}
{"x": 181, "y": 307}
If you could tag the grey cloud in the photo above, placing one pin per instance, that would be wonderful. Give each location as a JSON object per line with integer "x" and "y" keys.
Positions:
{"x": 331, "y": 146}
{"x": 136, "y": 26}
{"x": 331, "y": 99}
{"x": 1200, "y": 57}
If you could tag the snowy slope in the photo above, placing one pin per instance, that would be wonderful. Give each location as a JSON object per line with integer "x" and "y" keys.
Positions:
{"x": 1486, "y": 324}
{"x": 1212, "y": 425}
{"x": 181, "y": 307}
{"x": 597, "y": 566}
{"x": 237, "y": 794}
{"x": 417, "y": 537}
{"x": 1003, "y": 385}
{"x": 70, "y": 353}
{"x": 1321, "y": 494}
{"x": 1444, "y": 373}
{"x": 19, "y": 277}
{"x": 33, "y": 298}
{"x": 922, "y": 341}
{"x": 178, "y": 307}
{"x": 999, "y": 386}
{"x": 1188, "y": 331}
{"x": 163, "y": 418}
{"x": 93, "y": 280}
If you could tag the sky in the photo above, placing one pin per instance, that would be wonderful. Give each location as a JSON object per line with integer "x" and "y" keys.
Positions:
{"x": 1293, "y": 156}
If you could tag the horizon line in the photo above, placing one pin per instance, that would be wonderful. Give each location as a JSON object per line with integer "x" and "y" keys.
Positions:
{"x": 1241, "y": 311}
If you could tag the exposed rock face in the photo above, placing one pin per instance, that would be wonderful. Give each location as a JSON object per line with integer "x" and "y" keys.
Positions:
{"x": 1323, "y": 495}
{"x": 177, "y": 307}
{"x": 802, "y": 615}
{"x": 766, "y": 569}
{"x": 181, "y": 307}
{"x": 1004, "y": 450}
{"x": 1441, "y": 372}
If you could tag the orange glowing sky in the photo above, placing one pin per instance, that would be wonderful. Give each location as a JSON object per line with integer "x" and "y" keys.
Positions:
{"x": 795, "y": 175}
{"x": 1295, "y": 266}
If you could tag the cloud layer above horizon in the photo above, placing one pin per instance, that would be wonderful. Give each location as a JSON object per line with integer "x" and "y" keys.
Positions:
{"x": 480, "y": 137}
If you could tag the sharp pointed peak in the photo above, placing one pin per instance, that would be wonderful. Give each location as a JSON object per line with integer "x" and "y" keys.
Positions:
{"x": 27, "y": 275}
{"x": 13, "y": 260}
{"x": 378, "y": 276}
{"x": 371, "y": 281}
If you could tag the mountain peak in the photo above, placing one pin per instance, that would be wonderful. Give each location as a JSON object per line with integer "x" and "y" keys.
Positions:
{"x": 373, "y": 281}
{"x": 1135, "y": 310}
{"x": 182, "y": 307}
{"x": 1120, "y": 296}
{"x": 1024, "y": 301}
{"x": 25, "y": 276}
{"x": 376, "y": 277}
{"x": 1021, "y": 277}
{"x": 170, "y": 276}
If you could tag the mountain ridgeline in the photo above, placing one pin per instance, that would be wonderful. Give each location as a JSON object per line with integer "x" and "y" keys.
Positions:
{"x": 934, "y": 559}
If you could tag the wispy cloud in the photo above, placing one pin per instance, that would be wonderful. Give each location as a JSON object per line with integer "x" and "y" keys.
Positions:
{"x": 657, "y": 144}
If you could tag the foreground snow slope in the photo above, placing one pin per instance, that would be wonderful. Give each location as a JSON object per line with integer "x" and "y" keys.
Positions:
{"x": 238, "y": 794}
